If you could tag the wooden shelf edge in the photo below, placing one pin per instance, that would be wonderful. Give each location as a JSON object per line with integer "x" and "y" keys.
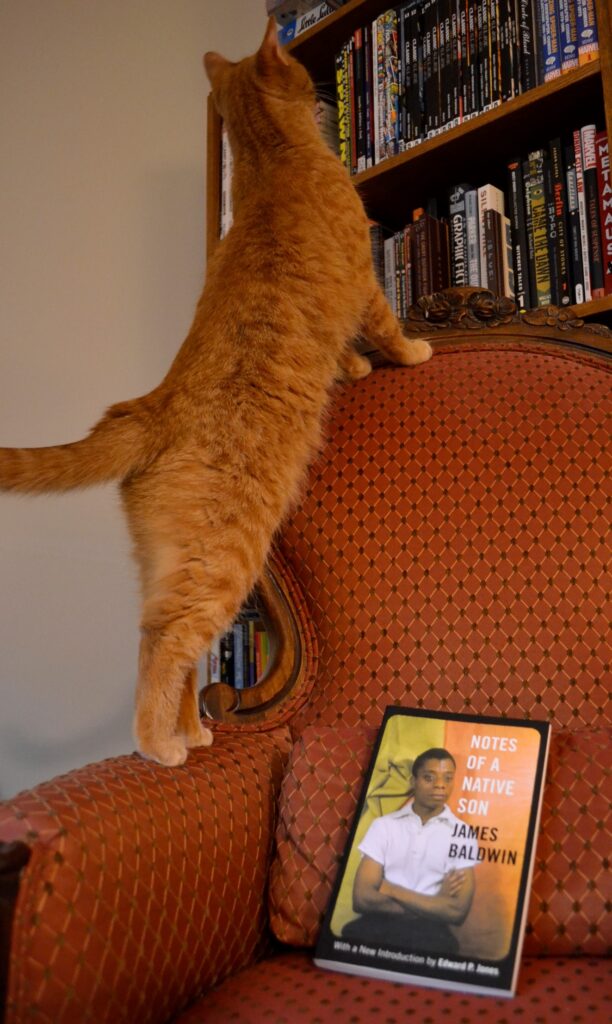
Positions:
{"x": 596, "y": 307}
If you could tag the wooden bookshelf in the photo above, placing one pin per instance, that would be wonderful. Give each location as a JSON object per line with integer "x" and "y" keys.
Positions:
{"x": 476, "y": 151}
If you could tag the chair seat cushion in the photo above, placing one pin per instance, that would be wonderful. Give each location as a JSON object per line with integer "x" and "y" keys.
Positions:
{"x": 289, "y": 989}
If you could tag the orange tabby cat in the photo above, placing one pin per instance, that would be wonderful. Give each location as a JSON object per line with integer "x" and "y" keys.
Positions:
{"x": 211, "y": 460}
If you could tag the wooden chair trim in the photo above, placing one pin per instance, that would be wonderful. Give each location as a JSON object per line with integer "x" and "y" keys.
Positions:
{"x": 456, "y": 315}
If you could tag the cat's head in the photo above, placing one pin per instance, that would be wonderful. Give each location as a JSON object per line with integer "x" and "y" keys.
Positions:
{"x": 271, "y": 71}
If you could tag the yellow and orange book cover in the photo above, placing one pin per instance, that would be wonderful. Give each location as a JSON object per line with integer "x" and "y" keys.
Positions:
{"x": 434, "y": 884}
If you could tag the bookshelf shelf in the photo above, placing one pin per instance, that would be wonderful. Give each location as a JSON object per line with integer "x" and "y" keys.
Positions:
{"x": 495, "y": 136}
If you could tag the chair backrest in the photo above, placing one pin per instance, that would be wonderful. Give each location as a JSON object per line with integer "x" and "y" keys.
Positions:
{"x": 452, "y": 545}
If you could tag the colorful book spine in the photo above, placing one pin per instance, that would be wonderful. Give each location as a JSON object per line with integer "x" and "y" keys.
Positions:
{"x": 342, "y": 102}
{"x": 591, "y": 199}
{"x": 559, "y": 207}
{"x": 549, "y": 38}
{"x": 539, "y": 223}
{"x": 573, "y": 224}
{"x": 604, "y": 179}
{"x": 568, "y": 34}
{"x": 458, "y": 235}
{"x": 473, "y": 240}
{"x": 588, "y": 38}
{"x": 582, "y": 217}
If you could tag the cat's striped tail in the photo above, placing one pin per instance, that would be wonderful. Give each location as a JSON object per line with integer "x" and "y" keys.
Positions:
{"x": 118, "y": 445}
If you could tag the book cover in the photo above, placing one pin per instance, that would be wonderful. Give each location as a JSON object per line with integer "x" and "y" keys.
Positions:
{"x": 434, "y": 883}
{"x": 604, "y": 181}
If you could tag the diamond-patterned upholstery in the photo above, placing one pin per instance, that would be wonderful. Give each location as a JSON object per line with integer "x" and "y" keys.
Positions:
{"x": 450, "y": 552}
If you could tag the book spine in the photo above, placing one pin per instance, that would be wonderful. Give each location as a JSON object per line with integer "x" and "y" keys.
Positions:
{"x": 529, "y": 232}
{"x": 400, "y": 275}
{"x": 341, "y": 101}
{"x": 352, "y": 105}
{"x": 573, "y": 224}
{"x": 551, "y": 53}
{"x": 473, "y": 243}
{"x": 457, "y": 215}
{"x": 508, "y": 285}
{"x": 409, "y": 275}
{"x": 516, "y": 206}
{"x": 588, "y": 38}
{"x": 472, "y": 89}
{"x": 239, "y": 677}
{"x": 378, "y": 50}
{"x": 215, "y": 661}
{"x": 390, "y": 283}
{"x": 559, "y": 194}
{"x": 537, "y": 199}
{"x": 568, "y": 34}
{"x": 489, "y": 198}
{"x": 551, "y": 230}
{"x": 367, "y": 97}
{"x": 582, "y": 217}
{"x": 591, "y": 198}
{"x": 360, "y": 142}
{"x": 604, "y": 181}
{"x": 527, "y": 45}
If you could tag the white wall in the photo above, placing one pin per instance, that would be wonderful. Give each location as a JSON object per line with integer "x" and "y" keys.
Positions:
{"x": 102, "y": 129}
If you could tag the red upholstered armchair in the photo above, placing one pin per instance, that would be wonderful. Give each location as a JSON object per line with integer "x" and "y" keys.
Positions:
{"x": 449, "y": 553}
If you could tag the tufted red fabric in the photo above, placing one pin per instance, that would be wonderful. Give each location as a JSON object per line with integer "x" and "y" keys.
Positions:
{"x": 146, "y": 885}
{"x": 290, "y": 990}
{"x": 446, "y": 546}
{"x": 571, "y": 902}
{"x": 571, "y": 899}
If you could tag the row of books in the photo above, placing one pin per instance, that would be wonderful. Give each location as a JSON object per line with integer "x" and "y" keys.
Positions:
{"x": 427, "y": 66}
{"x": 547, "y": 240}
{"x": 240, "y": 656}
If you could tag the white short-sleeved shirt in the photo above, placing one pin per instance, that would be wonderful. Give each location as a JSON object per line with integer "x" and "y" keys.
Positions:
{"x": 417, "y": 856}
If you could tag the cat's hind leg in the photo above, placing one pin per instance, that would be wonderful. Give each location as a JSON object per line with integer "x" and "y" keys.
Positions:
{"x": 381, "y": 328}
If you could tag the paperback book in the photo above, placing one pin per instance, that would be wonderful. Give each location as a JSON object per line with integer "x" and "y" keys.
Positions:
{"x": 434, "y": 883}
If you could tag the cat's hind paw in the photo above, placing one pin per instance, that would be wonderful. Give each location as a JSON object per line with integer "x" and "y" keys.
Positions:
{"x": 201, "y": 737}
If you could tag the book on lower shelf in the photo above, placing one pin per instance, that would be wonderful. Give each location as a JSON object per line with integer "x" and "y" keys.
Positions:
{"x": 434, "y": 883}
{"x": 240, "y": 656}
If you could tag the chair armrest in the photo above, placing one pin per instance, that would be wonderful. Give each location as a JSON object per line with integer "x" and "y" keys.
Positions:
{"x": 145, "y": 885}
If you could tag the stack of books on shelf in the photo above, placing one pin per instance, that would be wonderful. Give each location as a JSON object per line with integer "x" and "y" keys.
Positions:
{"x": 297, "y": 16}
{"x": 427, "y": 66}
{"x": 547, "y": 239}
{"x": 240, "y": 656}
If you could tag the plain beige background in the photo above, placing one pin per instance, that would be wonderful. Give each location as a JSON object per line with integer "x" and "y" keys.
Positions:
{"x": 102, "y": 185}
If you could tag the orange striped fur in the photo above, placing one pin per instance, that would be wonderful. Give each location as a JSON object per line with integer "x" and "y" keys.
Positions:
{"x": 211, "y": 460}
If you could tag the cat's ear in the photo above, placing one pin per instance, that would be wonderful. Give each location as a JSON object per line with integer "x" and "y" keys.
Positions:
{"x": 215, "y": 65}
{"x": 271, "y": 53}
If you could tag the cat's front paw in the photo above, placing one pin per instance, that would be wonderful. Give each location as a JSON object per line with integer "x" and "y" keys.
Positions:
{"x": 170, "y": 752}
{"x": 413, "y": 352}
